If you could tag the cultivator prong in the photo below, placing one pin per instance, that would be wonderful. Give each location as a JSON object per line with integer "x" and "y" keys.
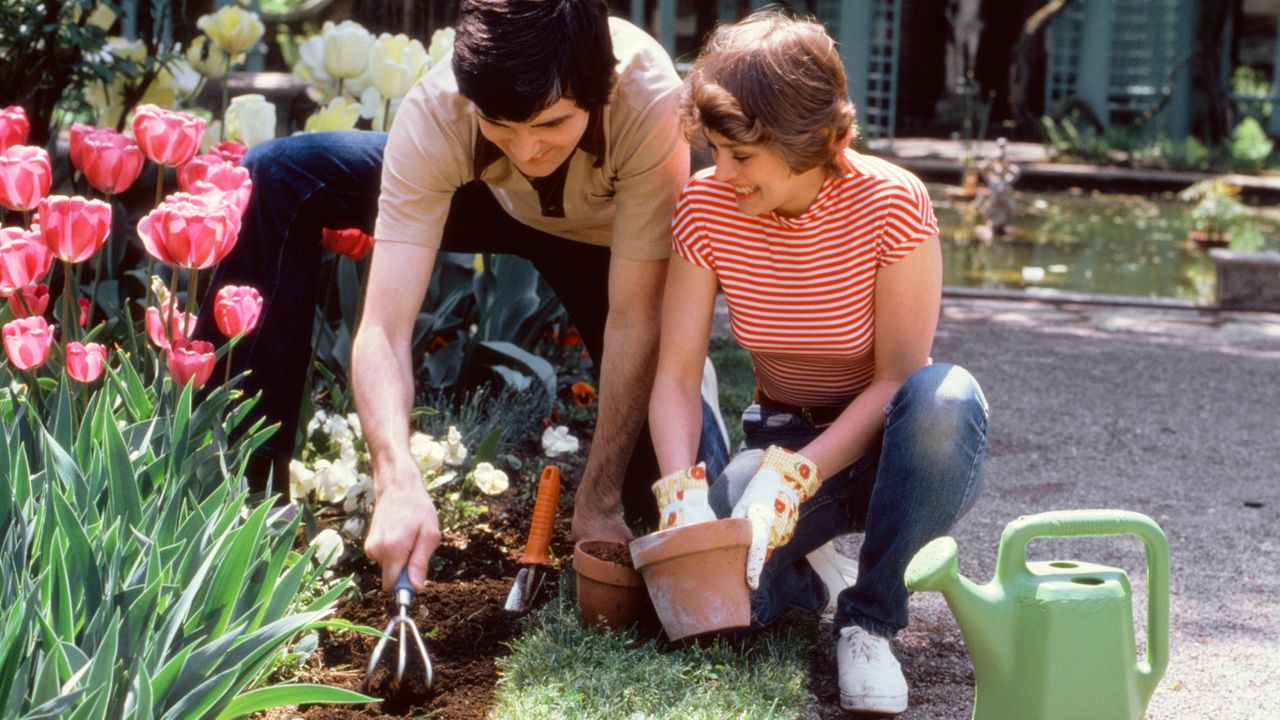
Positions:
{"x": 401, "y": 625}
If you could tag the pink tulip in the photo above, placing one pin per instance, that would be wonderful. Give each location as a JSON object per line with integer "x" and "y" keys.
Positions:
{"x": 76, "y": 136}
{"x": 84, "y": 311}
{"x": 180, "y": 326}
{"x": 85, "y": 362}
{"x": 110, "y": 161}
{"x": 29, "y": 301}
{"x": 24, "y": 259}
{"x": 73, "y": 227}
{"x": 14, "y": 127}
{"x": 236, "y": 309}
{"x": 167, "y": 137}
{"x": 191, "y": 231}
{"x": 352, "y": 242}
{"x": 25, "y": 177}
{"x": 191, "y": 361}
{"x": 229, "y": 184}
{"x": 27, "y": 342}
{"x": 197, "y": 168}
{"x": 230, "y": 150}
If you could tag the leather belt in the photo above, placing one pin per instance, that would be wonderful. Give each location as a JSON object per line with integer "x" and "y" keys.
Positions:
{"x": 819, "y": 416}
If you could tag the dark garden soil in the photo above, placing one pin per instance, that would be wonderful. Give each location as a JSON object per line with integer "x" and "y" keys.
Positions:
{"x": 460, "y": 617}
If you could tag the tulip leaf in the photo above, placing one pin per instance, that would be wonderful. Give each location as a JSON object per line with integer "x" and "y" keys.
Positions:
{"x": 281, "y": 695}
{"x": 199, "y": 701}
{"x": 54, "y": 708}
{"x": 493, "y": 352}
{"x": 122, "y": 483}
{"x": 132, "y": 391}
{"x": 229, "y": 577}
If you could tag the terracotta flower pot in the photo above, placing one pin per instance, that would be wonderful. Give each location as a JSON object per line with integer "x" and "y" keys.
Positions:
{"x": 610, "y": 594}
{"x": 696, "y": 576}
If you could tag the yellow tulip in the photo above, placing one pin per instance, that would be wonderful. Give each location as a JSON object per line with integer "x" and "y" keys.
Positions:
{"x": 208, "y": 59}
{"x": 395, "y": 64}
{"x": 233, "y": 29}
{"x": 339, "y": 114}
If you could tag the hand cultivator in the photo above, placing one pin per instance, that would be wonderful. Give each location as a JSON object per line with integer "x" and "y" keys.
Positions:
{"x": 404, "y": 598}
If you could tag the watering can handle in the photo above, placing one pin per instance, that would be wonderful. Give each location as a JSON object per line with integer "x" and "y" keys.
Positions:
{"x": 1094, "y": 523}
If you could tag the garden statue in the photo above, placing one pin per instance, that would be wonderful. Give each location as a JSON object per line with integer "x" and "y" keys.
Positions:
{"x": 999, "y": 206}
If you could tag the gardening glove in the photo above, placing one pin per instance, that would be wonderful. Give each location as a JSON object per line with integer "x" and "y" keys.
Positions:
{"x": 682, "y": 498}
{"x": 772, "y": 503}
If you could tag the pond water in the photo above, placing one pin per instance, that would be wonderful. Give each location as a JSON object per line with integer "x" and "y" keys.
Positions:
{"x": 1091, "y": 243}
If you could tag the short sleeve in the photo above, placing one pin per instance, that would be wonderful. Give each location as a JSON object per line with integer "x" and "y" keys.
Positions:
{"x": 908, "y": 219}
{"x": 427, "y": 158}
{"x": 688, "y": 229}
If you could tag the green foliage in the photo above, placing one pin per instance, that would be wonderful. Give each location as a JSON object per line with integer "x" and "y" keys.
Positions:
{"x": 1072, "y": 140}
{"x": 1186, "y": 154}
{"x": 62, "y": 52}
{"x": 1216, "y": 207}
{"x": 559, "y": 668}
{"x": 136, "y": 582}
{"x": 1249, "y": 146}
{"x": 1252, "y": 92}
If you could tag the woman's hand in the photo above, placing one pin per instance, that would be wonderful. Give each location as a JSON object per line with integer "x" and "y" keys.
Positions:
{"x": 682, "y": 498}
{"x": 772, "y": 503}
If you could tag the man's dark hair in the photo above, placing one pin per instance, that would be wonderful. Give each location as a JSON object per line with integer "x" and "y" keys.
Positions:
{"x": 516, "y": 58}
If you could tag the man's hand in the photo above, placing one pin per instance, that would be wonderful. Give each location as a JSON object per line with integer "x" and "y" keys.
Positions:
{"x": 772, "y": 503}
{"x": 404, "y": 529}
{"x": 682, "y": 498}
{"x": 593, "y": 520}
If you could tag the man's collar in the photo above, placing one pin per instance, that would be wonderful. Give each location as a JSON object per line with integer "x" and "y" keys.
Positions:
{"x": 592, "y": 141}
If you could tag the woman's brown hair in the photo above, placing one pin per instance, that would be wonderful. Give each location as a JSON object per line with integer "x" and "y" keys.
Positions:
{"x": 771, "y": 80}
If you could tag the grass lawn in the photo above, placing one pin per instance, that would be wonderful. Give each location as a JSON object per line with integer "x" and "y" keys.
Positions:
{"x": 559, "y": 668}
{"x": 737, "y": 385}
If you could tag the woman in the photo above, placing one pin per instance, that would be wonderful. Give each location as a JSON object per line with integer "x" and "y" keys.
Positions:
{"x": 831, "y": 266}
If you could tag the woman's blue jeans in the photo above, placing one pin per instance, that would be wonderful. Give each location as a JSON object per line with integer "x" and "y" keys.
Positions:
{"x": 305, "y": 183}
{"x": 924, "y": 475}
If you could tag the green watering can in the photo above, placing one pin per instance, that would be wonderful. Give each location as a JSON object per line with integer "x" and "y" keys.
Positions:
{"x": 1054, "y": 640}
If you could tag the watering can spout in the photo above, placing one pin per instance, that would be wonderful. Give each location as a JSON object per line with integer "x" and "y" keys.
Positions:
{"x": 979, "y": 610}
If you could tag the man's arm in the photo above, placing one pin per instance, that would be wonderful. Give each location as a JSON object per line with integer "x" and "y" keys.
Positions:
{"x": 404, "y": 528}
{"x": 626, "y": 376}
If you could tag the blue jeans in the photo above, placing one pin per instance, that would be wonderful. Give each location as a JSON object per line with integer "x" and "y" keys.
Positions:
{"x": 305, "y": 183}
{"x": 923, "y": 476}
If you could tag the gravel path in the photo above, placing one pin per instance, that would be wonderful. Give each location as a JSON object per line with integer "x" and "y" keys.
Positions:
{"x": 1172, "y": 413}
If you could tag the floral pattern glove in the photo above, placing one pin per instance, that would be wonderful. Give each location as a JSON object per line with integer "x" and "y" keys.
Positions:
{"x": 682, "y": 498}
{"x": 772, "y": 503}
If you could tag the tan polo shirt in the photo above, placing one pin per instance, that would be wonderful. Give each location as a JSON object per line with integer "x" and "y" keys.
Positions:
{"x": 621, "y": 195}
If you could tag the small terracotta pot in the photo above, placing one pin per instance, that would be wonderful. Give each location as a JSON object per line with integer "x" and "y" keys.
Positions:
{"x": 610, "y": 594}
{"x": 696, "y": 576}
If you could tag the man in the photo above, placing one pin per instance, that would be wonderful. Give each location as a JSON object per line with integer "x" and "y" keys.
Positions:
{"x": 552, "y": 135}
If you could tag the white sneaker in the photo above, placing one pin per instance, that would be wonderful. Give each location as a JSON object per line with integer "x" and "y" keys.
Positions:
{"x": 837, "y": 572}
{"x": 870, "y": 678}
{"x": 711, "y": 394}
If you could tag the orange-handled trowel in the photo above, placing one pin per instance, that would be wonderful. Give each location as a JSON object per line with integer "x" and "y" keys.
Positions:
{"x": 530, "y": 577}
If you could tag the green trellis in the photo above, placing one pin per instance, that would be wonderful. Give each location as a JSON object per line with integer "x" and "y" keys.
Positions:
{"x": 1119, "y": 56}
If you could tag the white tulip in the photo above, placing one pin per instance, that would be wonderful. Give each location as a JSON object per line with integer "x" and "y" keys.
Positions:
{"x": 346, "y": 49}
{"x": 441, "y": 44}
{"x": 339, "y": 114}
{"x": 396, "y": 64}
{"x": 251, "y": 119}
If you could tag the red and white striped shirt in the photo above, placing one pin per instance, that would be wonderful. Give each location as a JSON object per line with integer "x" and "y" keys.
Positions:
{"x": 801, "y": 290}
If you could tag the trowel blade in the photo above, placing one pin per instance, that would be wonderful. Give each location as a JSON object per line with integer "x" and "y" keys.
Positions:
{"x": 523, "y": 590}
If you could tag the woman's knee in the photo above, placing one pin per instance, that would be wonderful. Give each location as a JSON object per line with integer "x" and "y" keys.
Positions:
{"x": 940, "y": 402}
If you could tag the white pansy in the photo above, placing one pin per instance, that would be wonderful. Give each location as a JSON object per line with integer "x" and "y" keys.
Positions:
{"x": 489, "y": 479}
{"x": 333, "y": 479}
{"x": 329, "y": 546}
{"x": 395, "y": 64}
{"x": 301, "y": 479}
{"x": 353, "y": 421}
{"x": 428, "y": 453}
{"x": 353, "y": 528}
{"x": 338, "y": 430}
{"x": 441, "y": 44}
{"x": 359, "y": 496}
{"x": 347, "y": 46}
{"x": 317, "y": 419}
{"x": 556, "y": 440}
{"x": 455, "y": 451}
{"x": 251, "y": 119}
